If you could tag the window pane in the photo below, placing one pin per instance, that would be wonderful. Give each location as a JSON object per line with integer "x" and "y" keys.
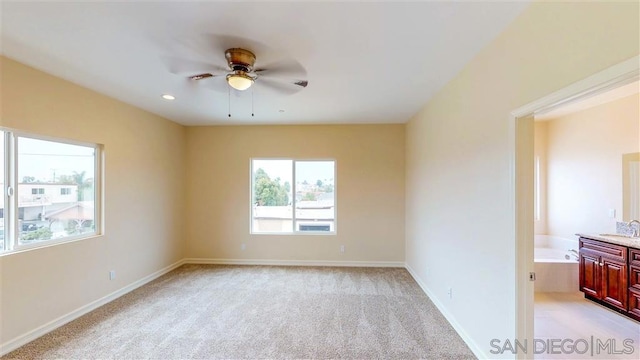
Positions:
{"x": 2, "y": 193}
{"x": 271, "y": 198}
{"x": 315, "y": 196}
{"x": 55, "y": 190}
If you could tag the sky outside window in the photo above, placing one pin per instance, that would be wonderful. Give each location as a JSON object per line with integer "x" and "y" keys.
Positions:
{"x": 46, "y": 161}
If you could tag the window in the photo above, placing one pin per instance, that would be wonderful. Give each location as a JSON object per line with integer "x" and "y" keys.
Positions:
{"x": 49, "y": 191}
{"x": 293, "y": 196}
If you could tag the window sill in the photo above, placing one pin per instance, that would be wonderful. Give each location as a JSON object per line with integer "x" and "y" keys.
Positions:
{"x": 31, "y": 247}
{"x": 299, "y": 233}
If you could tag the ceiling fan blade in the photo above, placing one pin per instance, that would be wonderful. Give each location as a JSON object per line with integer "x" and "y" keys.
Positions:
{"x": 215, "y": 83}
{"x": 282, "y": 87}
{"x": 201, "y": 76}
{"x": 283, "y": 68}
{"x": 185, "y": 67}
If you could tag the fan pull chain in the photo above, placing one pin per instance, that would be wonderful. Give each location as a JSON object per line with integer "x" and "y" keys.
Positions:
{"x": 251, "y": 101}
{"x": 229, "y": 97}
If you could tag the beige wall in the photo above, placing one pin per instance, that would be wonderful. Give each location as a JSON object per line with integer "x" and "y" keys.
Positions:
{"x": 369, "y": 185}
{"x": 459, "y": 218}
{"x": 144, "y": 199}
{"x": 585, "y": 166}
{"x": 540, "y": 152}
{"x": 148, "y": 218}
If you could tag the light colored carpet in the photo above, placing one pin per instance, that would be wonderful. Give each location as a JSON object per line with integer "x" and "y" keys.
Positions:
{"x": 252, "y": 312}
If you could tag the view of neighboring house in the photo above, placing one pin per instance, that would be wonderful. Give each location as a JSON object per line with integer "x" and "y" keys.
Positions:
{"x": 310, "y": 216}
{"x": 54, "y": 206}
{"x": 35, "y": 200}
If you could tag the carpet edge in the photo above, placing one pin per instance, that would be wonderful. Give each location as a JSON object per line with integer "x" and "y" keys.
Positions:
{"x": 391, "y": 264}
{"x": 42, "y": 330}
{"x": 477, "y": 351}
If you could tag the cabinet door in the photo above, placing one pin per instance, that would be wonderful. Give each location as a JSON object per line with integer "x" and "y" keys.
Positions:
{"x": 634, "y": 303}
{"x": 590, "y": 274}
{"x": 634, "y": 277}
{"x": 614, "y": 283}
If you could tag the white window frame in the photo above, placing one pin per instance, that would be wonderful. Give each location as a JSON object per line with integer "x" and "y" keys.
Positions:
{"x": 10, "y": 192}
{"x": 293, "y": 203}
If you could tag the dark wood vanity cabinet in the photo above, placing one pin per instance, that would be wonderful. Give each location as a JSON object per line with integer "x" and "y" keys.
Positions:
{"x": 603, "y": 272}
{"x": 634, "y": 283}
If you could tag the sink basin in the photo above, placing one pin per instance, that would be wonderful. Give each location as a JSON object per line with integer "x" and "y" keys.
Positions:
{"x": 620, "y": 235}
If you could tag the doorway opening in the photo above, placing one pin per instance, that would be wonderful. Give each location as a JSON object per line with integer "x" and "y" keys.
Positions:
{"x": 530, "y": 193}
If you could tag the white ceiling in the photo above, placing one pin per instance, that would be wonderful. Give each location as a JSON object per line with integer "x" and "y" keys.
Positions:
{"x": 365, "y": 62}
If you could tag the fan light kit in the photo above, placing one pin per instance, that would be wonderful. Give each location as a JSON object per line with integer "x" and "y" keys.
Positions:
{"x": 285, "y": 76}
{"x": 242, "y": 73}
{"x": 239, "y": 80}
{"x": 241, "y": 62}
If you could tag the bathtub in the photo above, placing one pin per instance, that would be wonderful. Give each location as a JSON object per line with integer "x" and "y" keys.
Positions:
{"x": 554, "y": 272}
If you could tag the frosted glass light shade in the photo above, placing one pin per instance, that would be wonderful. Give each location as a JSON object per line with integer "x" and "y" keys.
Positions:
{"x": 239, "y": 81}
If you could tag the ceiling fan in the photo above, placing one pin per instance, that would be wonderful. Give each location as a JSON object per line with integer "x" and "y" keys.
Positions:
{"x": 242, "y": 73}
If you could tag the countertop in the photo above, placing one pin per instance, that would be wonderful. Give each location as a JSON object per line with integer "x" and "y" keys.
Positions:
{"x": 619, "y": 240}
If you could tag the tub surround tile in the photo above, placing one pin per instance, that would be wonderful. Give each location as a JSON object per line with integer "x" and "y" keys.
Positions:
{"x": 556, "y": 277}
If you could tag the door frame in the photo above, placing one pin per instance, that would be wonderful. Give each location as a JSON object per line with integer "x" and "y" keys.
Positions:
{"x": 521, "y": 194}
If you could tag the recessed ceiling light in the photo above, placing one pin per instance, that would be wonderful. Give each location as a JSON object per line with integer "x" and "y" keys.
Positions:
{"x": 168, "y": 97}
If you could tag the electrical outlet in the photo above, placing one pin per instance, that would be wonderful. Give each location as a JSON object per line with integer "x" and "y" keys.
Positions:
{"x": 450, "y": 292}
{"x": 112, "y": 275}
{"x": 341, "y": 248}
{"x": 243, "y": 246}
{"x": 612, "y": 213}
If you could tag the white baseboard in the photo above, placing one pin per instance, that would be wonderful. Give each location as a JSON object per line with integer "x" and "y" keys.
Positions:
{"x": 477, "y": 351}
{"x": 54, "y": 324}
{"x": 399, "y": 264}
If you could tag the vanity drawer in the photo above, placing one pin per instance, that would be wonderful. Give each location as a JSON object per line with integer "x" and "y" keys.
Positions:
{"x": 634, "y": 257}
{"x": 610, "y": 251}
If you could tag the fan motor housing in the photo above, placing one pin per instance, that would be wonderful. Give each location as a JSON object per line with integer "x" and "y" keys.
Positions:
{"x": 240, "y": 59}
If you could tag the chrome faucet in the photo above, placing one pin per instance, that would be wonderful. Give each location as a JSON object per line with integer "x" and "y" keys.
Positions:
{"x": 636, "y": 232}
{"x": 573, "y": 252}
